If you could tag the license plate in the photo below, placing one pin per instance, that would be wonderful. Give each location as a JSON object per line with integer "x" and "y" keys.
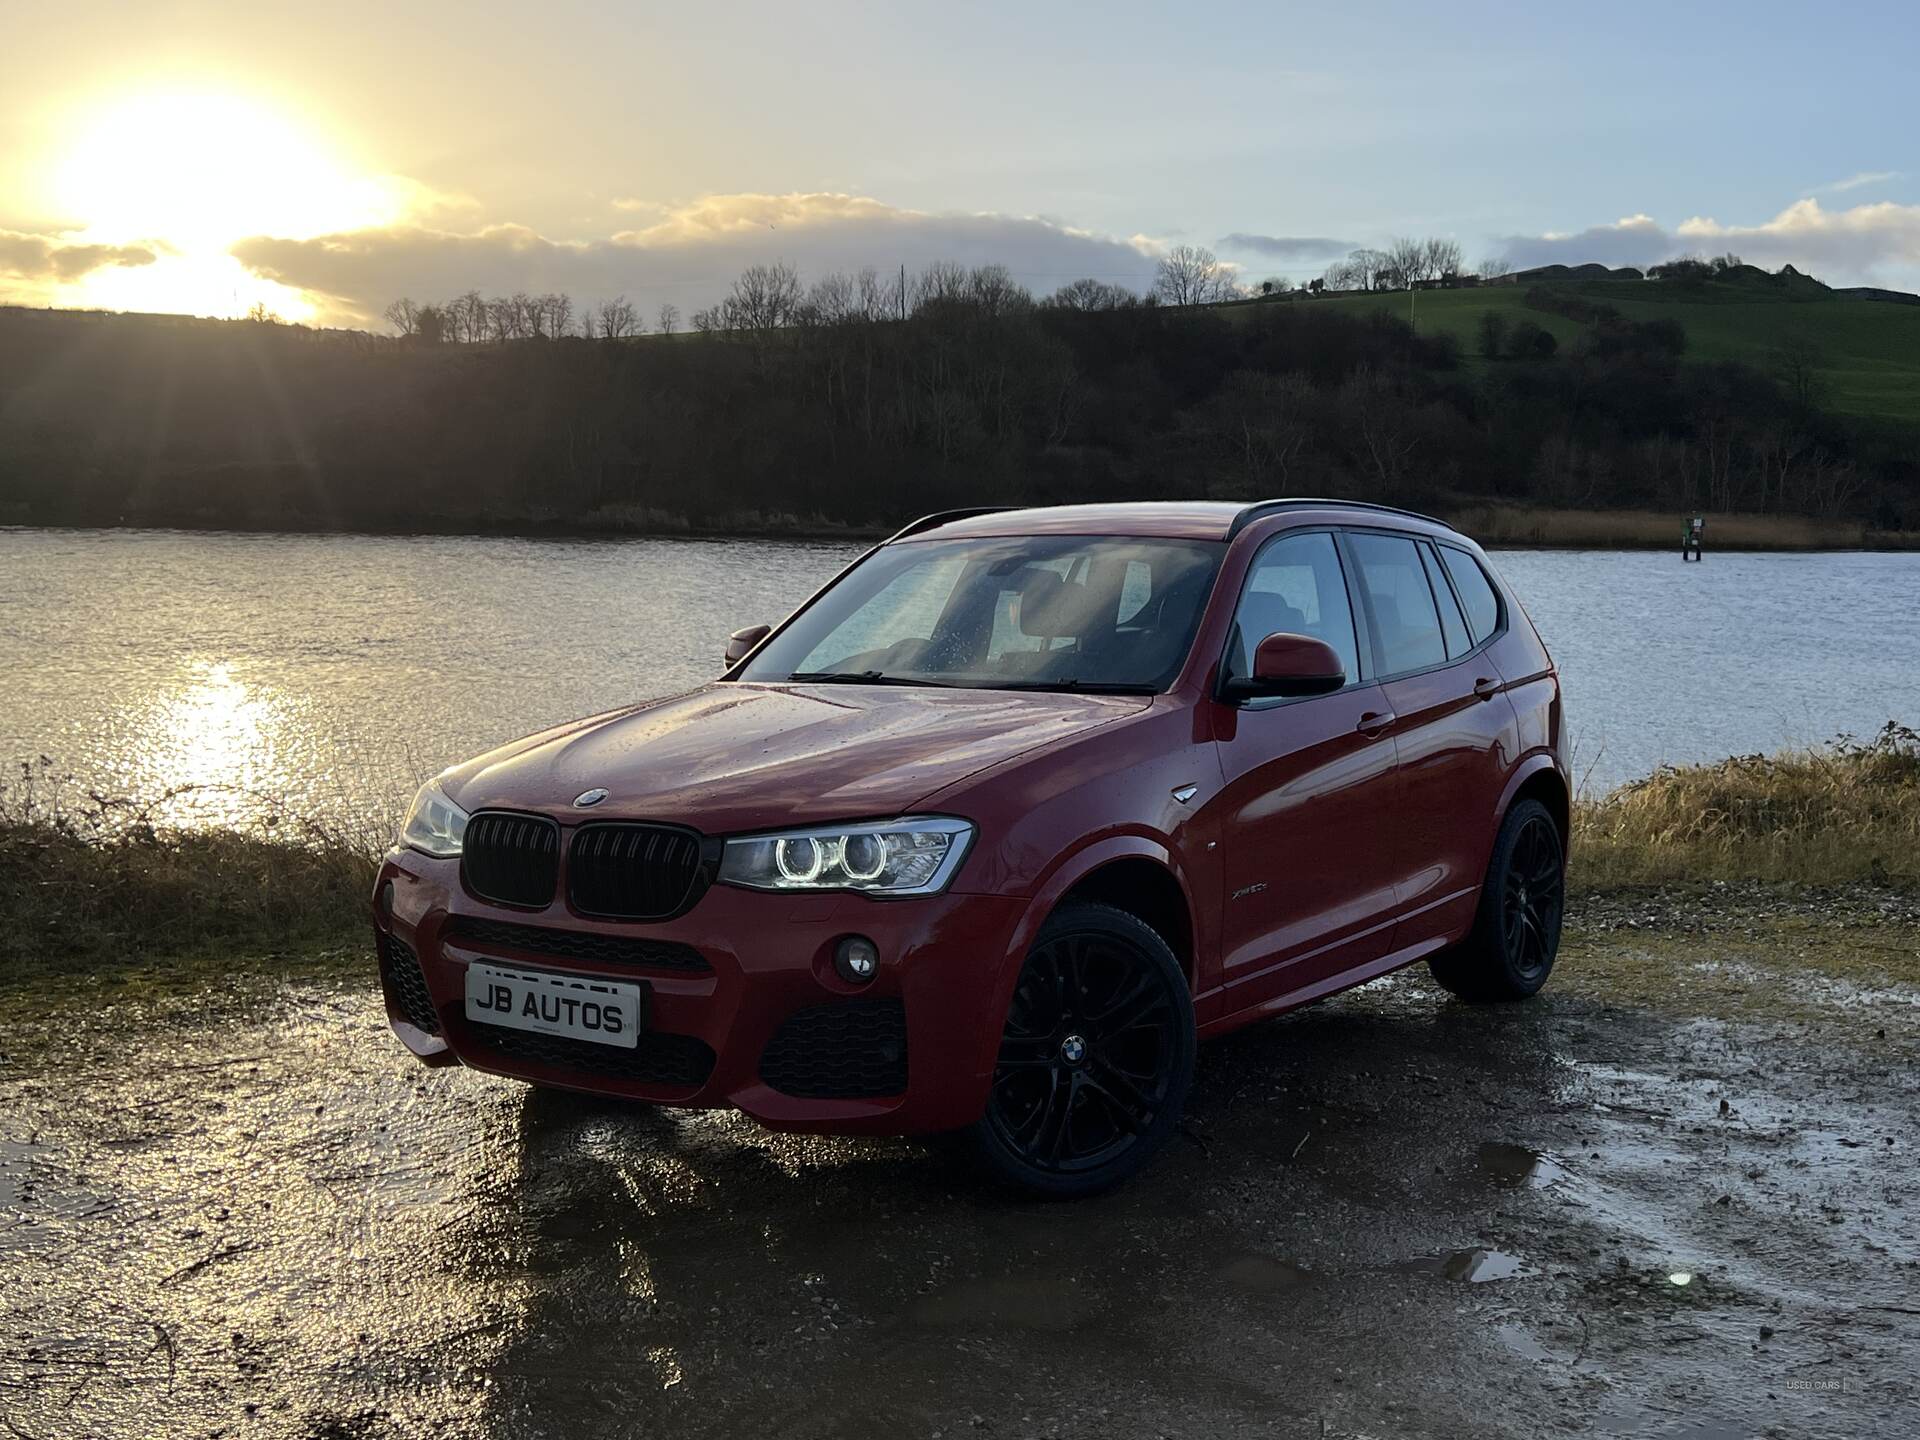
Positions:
{"x": 605, "y": 1012}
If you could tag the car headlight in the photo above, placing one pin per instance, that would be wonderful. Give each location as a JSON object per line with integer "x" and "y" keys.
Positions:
{"x": 435, "y": 825}
{"x": 914, "y": 856}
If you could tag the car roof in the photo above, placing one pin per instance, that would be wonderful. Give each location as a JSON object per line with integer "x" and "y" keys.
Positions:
{"x": 1160, "y": 519}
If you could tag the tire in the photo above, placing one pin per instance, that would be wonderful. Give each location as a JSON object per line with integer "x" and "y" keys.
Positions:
{"x": 1516, "y": 931}
{"x": 1096, "y": 1056}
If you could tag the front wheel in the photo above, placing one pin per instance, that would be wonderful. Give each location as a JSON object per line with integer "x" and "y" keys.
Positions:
{"x": 1516, "y": 934}
{"x": 1095, "y": 1059}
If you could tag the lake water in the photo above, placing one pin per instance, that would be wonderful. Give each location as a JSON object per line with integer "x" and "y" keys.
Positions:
{"x": 333, "y": 672}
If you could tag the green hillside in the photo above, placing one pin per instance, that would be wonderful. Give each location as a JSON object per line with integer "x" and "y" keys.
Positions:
{"x": 1868, "y": 350}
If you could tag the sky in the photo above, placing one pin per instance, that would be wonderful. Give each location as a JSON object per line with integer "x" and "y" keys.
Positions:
{"x": 325, "y": 159}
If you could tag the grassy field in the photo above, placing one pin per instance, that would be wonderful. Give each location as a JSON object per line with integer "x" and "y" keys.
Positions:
{"x": 1869, "y": 349}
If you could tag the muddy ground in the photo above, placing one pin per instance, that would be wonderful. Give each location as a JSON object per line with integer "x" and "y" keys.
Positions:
{"x": 249, "y": 1214}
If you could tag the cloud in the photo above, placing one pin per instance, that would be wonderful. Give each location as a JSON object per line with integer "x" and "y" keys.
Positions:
{"x": 1636, "y": 240}
{"x": 1852, "y": 242}
{"x": 44, "y": 257}
{"x": 1864, "y": 178}
{"x": 689, "y": 256}
{"x": 1288, "y": 247}
{"x": 1839, "y": 246}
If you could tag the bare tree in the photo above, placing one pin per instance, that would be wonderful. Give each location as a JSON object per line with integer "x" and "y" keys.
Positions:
{"x": 1361, "y": 270}
{"x": 1495, "y": 267}
{"x": 1192, "y": 275}
{"x": 764, "y": 298}
{"x": 1406, "y": 262}
{"x": 619, "y": 318}
{"x": 403, "y": 315}
{"x": 943, "y": 280}
{"x": 669, "y": 318}
{"x": 1090, "y": 295}
{"x": 1443, "y": 259}
{"x": 466, "y": 318}
{"x": 996, "y": 292}
{"x": 833, "y": 300}
{"x": 555, "y": 315}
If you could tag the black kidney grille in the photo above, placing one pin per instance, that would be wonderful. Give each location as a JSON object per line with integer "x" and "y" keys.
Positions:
{"x": 659, "y": 1059}
{"x": 402, "y": 969}
{"x": 848, "y": 1051}
{"x": 633, "y": 872}
{"x": 511, "y": 859}
{"x": 632, "y": 950}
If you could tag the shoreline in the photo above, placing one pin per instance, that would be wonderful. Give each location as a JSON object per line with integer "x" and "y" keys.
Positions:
{"x": 1495, "y": 526}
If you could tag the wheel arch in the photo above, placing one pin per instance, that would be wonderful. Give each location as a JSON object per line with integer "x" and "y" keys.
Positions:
{"x": 1148, "y": 891}
{"x": 1128, "y": 872}
{"x": 1541, "y": 780}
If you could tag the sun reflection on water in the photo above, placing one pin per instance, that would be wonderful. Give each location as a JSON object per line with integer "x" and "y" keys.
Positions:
{"x": 215, "y": 741}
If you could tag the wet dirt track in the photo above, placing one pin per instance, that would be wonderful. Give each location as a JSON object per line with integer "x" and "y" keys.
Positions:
{"x": 1391, "y": 1215}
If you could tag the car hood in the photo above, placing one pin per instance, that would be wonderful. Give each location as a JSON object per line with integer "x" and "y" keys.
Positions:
{"x": 733, "y": 757}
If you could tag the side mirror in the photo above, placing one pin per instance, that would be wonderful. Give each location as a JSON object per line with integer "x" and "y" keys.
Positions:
{"x": 741, "y": 641}
{"x": 1290, "y": 665}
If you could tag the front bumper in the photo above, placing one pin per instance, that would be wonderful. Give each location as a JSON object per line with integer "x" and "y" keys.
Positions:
{"x": 942, "y": 988}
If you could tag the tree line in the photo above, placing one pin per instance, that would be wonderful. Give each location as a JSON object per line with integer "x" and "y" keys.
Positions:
{"x": 773, "y": 296}
{"x": 863, "y": 397}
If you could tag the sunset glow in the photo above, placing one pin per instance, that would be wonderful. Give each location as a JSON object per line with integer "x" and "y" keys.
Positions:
{"x": 188, "y": 174}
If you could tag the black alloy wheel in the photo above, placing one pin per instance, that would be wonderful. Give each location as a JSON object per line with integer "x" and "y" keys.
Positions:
{"x": 1516, "y": 934}
{"x": 1096, "y": 1056}
{"x": 1533, "y": 899}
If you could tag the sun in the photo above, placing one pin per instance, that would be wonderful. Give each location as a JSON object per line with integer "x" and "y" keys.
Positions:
{"x": 187, "y": 174}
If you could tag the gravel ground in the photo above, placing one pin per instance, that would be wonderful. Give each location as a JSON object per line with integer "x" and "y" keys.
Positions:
{"x": 1673, "y": 1196}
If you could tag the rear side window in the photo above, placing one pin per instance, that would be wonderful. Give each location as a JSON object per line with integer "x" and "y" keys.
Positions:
{"x": 1452, "y": 625}
{"x": 1406, "y": 624}
{"x": 1476, "y": 592}
{"x": 1296, "y": 586}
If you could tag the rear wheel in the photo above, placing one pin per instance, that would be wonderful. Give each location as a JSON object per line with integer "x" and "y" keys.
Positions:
{"x": 1095, "y": 1059}
{"x": 1516, "y": 933}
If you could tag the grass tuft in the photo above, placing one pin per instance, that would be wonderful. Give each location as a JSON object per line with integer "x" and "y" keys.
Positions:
{"x": 1844, "y": 813}
{"x": 95, "y": 883}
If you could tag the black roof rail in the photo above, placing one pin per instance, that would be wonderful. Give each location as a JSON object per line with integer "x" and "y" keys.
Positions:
{"x": 1263, "y": 508}
{"x": 943, "y": 517}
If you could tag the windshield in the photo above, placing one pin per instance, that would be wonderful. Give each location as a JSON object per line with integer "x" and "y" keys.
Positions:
{"x": 1056, "y": 612}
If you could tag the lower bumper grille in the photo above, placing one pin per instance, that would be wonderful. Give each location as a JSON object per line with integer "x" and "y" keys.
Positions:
{"x": 402, "y": 969}
{"x": 853, "y": 1050}
{"x": 579, "y": 945}
{"x": 659, "y": 1059}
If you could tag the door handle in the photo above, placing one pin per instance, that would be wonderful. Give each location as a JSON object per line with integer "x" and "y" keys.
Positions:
{"x": 1374, "y": 723}
{"x": 1484, "y": 689}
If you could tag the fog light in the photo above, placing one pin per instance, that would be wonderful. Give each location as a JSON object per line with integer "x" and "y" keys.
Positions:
{"x": 386, "y": 900}
{"x": 856, "y": 959}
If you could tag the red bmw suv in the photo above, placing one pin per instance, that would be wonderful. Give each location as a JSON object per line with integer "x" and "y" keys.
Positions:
{"x": 988, "y": 833}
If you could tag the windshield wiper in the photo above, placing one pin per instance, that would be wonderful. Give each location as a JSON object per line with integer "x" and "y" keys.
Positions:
{"x": 1085, "y": 687}
{"x": 860, "y": 677}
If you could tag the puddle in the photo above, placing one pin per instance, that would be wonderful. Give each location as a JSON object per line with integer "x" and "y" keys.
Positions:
{"x": 1518, "y": 1168}
{"x": 1263, "y": 1274}
{"x": 1475, "y": 1266}
{"x": 1520, "y": 1341}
